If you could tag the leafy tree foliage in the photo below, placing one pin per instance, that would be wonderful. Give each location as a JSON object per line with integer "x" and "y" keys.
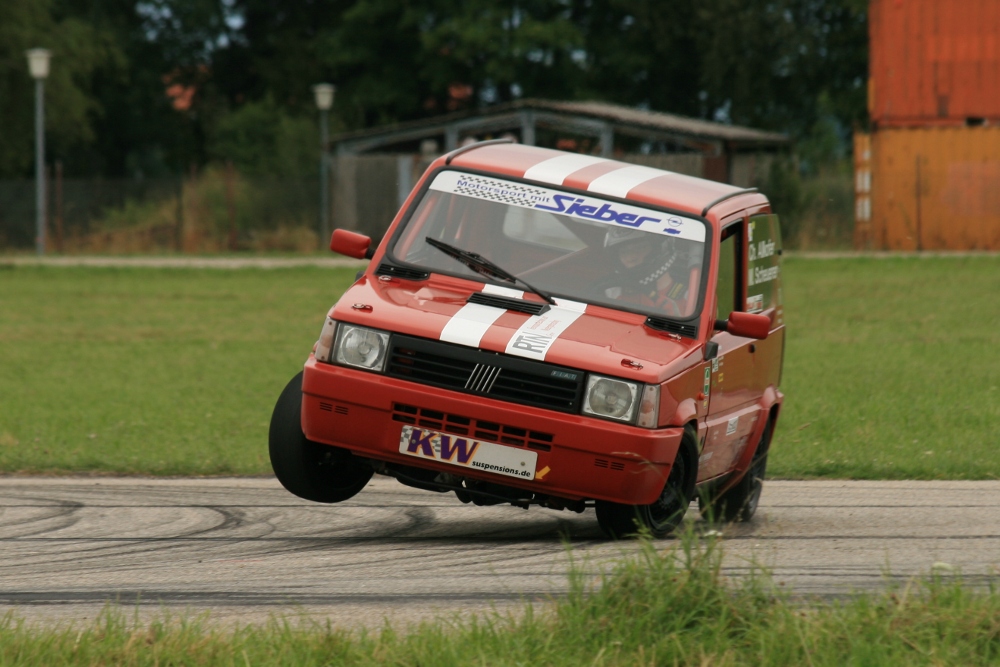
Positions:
{"x": 79, "y": 49}
{"x": 153, "y": 86}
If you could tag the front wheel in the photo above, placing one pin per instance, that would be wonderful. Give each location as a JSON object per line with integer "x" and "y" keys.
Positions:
{"x": 659, "y": 519}
{"x": 740, "y": 502}
{"x": 311, "y": 470}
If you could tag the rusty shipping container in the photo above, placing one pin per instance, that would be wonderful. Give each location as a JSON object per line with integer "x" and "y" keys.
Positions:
{"x": 934, "y": 62}
{"x": 934, "y": 188}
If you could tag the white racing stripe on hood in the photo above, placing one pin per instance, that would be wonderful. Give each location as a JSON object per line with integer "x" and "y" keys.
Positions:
{"x": 539, "y": 332}
{"x": 555, "y": 170}
{"x": 470, "y": 324}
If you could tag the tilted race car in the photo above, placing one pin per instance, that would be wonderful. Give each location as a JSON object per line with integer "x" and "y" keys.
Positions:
{"x": 555, "y": 329}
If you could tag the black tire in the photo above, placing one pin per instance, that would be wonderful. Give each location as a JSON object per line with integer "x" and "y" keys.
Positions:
{"x": 310, "y": 470}
{"x": 739, "y": 503}
{"x": 659, "y": 519}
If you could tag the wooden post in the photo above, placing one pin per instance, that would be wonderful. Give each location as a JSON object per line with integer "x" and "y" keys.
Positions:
{"x": 59, "y": 206}
{"x": 179, "y": 229}
{"x": 231, "y": 202}
{"x": 192, "y": 241}
{"x": 919, "y": 187}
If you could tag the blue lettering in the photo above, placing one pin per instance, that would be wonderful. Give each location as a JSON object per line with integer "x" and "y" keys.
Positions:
{"x": 460, "y": 448}
{"x": 611, "y": 215}
{"x": 582, "y": 211}
{"x": 422, "y": 442}
{"x": 560, "y": 203}
{"x": 575, "y": 206}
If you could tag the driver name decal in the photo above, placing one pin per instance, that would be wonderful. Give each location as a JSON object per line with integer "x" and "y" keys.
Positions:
{"x": 581, "y": 207}
{"x": 534, "y": 338}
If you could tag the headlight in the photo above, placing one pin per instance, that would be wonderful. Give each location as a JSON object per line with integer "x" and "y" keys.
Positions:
{"x": 325, "y": 343}
{"x": 361, "y": 347}
{"x": 610, "y": 398}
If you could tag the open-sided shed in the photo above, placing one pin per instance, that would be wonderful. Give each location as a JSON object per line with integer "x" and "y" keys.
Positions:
{"x": 370, "y": 164}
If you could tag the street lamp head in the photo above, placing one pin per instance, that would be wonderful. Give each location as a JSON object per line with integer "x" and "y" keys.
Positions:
{"x": 38, "y": 62}
{"x": 324, "y": 95}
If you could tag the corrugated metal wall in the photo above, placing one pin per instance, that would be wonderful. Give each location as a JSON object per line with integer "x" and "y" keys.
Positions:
{"x": 934, "y": 61}
{"x": 934, "y": 188}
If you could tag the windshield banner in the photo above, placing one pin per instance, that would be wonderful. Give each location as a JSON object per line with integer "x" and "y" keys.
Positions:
{"x": 576, "y": 206}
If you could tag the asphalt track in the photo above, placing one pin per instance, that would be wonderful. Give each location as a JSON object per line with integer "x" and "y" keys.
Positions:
{"x": 243, "y": 549}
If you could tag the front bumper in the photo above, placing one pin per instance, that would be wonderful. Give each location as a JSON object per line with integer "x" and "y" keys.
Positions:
{"x": 577, "y": 457}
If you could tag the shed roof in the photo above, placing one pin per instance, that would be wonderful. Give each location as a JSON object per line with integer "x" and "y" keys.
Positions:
{"x": 601, "y": 119}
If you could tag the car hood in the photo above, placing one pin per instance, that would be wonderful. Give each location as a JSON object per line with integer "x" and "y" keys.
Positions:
{"x": 577, "y": 335}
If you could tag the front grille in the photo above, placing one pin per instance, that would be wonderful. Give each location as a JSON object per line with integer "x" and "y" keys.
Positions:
{"x": 473, "y": 428}
{"x": 485, "y": 373}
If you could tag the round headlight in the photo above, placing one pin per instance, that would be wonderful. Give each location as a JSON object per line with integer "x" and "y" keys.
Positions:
{"x": 362, "y": 347}
{"x": 611, "y": 398}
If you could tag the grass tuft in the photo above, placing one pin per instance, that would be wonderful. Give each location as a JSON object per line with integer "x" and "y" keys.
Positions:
{"x": 671, "y": 607}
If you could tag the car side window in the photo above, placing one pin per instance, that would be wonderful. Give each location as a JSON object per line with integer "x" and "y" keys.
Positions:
{"x": 728, "y": 289}
{"x": 764, "y": 268}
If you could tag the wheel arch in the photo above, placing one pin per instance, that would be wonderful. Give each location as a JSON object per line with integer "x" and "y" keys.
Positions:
{"x": 689, "y": 450}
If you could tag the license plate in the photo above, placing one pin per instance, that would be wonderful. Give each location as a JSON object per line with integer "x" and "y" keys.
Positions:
{"x": 467, "y": 452}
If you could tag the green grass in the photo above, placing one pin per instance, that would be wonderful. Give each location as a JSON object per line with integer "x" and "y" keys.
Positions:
{"x": 892, "y": 368}
{"x": 164, "y": 372}
{"x": 674, "y": 608}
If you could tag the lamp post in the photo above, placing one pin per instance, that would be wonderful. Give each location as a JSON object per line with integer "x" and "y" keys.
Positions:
{"x": 38, "y": 65}
{"x": 324, "y": 101}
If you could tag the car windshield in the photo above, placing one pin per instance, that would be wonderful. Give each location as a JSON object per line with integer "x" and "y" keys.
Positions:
{"x": 572, "y": 246}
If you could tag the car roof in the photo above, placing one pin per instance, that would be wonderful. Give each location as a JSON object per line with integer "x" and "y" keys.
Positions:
{"x": 600, "y": 176}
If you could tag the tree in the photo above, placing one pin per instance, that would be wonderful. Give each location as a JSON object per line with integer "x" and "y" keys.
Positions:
{"x": 78, "y": 50}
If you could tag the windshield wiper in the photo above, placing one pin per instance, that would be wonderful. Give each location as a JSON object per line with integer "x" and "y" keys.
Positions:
{"x": 485, "y": 267}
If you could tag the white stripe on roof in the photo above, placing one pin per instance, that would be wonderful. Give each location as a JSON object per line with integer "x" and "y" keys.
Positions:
{"x": 555, "y": 170}
{"x": 619, "y": 182}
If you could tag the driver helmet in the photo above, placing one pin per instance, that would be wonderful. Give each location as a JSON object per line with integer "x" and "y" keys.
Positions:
{"x": 661, "y": 258}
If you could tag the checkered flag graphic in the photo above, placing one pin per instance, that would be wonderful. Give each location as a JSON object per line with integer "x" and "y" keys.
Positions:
{"x": 505, "y": 193}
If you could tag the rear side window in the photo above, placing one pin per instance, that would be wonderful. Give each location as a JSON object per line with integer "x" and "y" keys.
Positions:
{"x": 764, "y": 269}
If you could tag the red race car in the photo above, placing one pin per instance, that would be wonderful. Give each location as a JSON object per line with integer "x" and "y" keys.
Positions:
{"x": 555, "y": 329}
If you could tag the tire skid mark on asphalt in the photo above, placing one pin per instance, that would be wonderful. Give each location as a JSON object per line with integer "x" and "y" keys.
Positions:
{"x": 156, "y": 597}
{"x": 407, "y": 542}
{"x": 252, "y": 545}
{"x": 65, "y": 513}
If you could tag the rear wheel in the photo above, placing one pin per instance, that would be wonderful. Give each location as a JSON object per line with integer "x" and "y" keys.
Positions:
{"x": 740, "y": 502}
{"x": 310, "y": 470}
{"x": 660, "y": 518}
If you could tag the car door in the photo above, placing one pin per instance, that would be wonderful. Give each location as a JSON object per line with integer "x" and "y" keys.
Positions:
{"x": 733, "y": 390}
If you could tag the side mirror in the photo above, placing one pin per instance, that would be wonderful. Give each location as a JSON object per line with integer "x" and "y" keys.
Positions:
{"x": 746, "y": 325}
{"x": 352, "y": 244}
